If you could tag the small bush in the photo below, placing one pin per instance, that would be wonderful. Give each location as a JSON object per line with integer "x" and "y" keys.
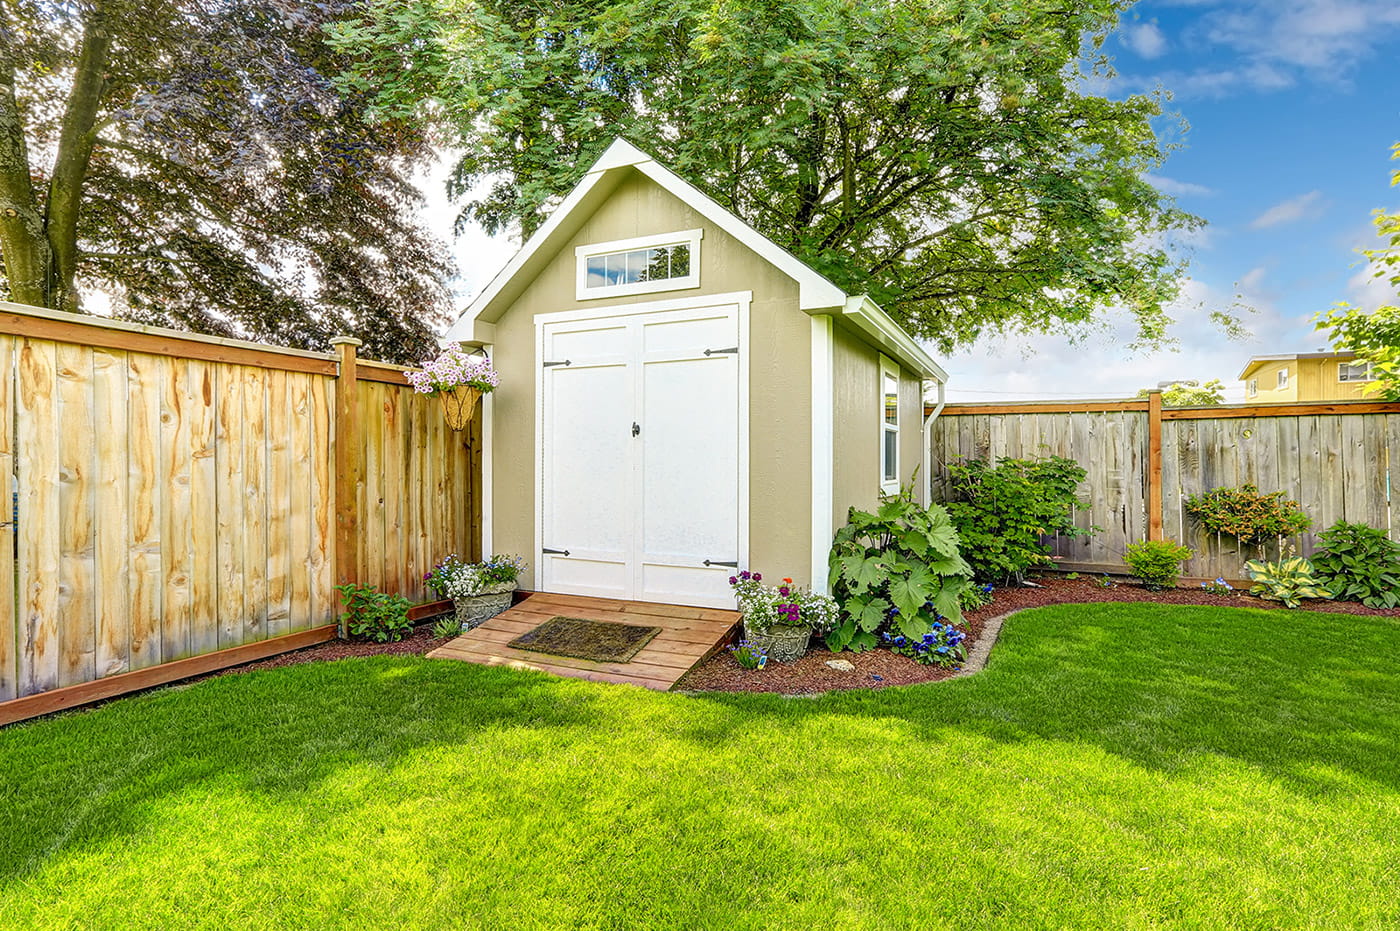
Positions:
{"x": 1247, "y": 515}
{"x": 1003, "y": 512}
{"x": 749, "y": 656}
{"x": 374, "y": 615}
{"x": 1289, "y": 580}
{"x": 1359, "y": 563}
{"x": 1157, "y": 562}
{"x": 898, "y": 567}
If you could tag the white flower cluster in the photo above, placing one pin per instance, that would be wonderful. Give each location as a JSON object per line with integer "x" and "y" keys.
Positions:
{"x": 454, "y": 368}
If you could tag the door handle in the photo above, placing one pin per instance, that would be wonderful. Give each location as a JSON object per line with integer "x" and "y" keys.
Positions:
{"x": 636, "y": 429}
{"x": 718, "y": 562}
{"x": 554, "y": 552}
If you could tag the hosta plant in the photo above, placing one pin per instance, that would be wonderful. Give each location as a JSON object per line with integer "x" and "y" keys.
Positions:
{"x": 1289, "y": 579}
{"x": 897, "y": 568}
{"x": 1156, "y": 562}
{"x": 1359, "y": 563}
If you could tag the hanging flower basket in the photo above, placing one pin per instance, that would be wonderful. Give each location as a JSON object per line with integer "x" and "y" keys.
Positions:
{"x": 459, "y": 378}
{"x": 458, "y": 404}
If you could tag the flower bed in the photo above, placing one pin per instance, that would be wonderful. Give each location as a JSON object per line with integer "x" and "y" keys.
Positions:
{"x": 879, "y": 668}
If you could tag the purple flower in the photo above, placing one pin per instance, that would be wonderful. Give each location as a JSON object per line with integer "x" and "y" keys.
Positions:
{"x": 757, "y": 576}
{"x": 733, "y": 581}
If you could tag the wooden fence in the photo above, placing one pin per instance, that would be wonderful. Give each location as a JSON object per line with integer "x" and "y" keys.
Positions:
{"x": 184, "y": 503}
{"x": 1338, "y": 460}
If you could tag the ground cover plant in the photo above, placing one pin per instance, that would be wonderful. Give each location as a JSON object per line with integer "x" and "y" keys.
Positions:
{"x": 1124, "y": 765}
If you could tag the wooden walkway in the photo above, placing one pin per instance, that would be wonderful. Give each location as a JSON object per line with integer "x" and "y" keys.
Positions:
{"x": 688, "y": 636}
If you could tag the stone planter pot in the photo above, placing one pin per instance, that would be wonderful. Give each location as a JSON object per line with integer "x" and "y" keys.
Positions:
{"x": 783, "y": 643}
{"x": 473, "y": 611}
{"x": 458, "y": 404}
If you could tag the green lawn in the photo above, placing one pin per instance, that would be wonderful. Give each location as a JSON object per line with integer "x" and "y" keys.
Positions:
{"x": 1117, "y": 766}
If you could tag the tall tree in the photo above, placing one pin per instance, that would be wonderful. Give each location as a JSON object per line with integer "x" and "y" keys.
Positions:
{"x": 945, "y": 156}
{"x": 1375, "y": 335}
{"x": 1191, "y": 393}
{"x": 194, "y": 160}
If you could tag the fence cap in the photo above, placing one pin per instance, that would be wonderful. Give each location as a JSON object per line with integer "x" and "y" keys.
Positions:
{"x": 346, "y": 341}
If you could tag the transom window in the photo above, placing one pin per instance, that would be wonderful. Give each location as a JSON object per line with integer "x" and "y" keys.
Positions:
{"x": 1354, "y": 371}
{"x": 667, "y": 262}
{"x": 889, "y": 426}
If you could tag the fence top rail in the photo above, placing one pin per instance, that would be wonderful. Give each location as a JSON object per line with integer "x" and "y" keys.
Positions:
{"x": 1214, "y": 412}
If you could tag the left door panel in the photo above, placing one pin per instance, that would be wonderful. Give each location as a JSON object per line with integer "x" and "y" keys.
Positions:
{"x": 587, "y": 465}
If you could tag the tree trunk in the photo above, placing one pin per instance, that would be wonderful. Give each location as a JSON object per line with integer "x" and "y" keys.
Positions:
{"x": 75, "y": 146}
{"x": 23, "y": 245}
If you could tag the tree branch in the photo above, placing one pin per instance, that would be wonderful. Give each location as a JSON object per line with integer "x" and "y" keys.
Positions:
{"x": 22, "y": 243}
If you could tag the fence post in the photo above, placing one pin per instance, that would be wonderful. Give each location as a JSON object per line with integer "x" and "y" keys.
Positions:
{"x": 1154, "y": 464}
{"x": 348, "y": 464}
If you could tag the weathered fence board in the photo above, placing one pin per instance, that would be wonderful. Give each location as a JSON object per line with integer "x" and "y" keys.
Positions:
{"x": 176, "y": 501}
{"x": 1335, "y": 460}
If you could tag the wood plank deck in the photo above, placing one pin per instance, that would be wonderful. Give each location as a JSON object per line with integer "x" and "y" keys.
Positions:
{"x": 688, "y": 636}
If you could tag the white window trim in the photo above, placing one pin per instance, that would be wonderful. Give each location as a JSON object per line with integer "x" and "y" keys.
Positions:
{"x": 1343, "y": 366}
{"x": 1282, "y": 379}
{"x": 689, "y": 238}
{"x": 889, "y": 367}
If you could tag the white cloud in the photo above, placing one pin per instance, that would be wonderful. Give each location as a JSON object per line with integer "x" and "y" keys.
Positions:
{"x": 1276, "y": 43}
{"x": 1177, "y": 188}
{"x": 1303, "y": 207}
{"x": 1101, "y": 364}
{"x": 1371, "y": 287}
{"x": 1146, "y": 39}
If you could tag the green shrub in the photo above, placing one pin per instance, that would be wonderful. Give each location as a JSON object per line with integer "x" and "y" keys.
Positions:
{"x": 898, "y": 567}
{"x": 1289, "y": 580}
{"x": 1003, "y": 512}
{"x": 1359, "y": 563}
{"x": 974, "y": 596}
{"x": 374, "y": 615}
{"x": 1157, "y": 562}
{"x": 1247, "y": 515}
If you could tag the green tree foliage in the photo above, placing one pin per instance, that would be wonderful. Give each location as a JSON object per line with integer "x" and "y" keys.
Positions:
{"x": 1374, "y": 336}
{"x": 192, "y": 159}
{"x": 1191, "y": 393}
{"x": 941, "y": 155}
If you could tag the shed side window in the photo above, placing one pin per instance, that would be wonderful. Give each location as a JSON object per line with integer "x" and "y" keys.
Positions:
{"x": 889, "y": 427}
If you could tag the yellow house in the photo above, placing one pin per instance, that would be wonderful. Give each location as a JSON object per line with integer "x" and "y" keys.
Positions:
{"x": 1305, "y": 376}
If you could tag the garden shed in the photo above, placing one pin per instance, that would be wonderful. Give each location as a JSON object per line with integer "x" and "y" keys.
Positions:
{"x": 680, "y": 397}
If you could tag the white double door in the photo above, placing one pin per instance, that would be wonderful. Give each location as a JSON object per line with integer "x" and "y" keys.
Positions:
{"x": 641, "y": 427}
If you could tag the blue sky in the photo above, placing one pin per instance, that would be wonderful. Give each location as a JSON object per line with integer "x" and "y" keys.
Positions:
{"x": 1292, "y": 108}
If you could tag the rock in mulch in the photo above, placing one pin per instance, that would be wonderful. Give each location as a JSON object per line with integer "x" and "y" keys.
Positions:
{"x": 841, "y": 665}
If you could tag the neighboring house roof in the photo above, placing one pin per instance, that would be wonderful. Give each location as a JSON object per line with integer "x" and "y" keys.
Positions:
{"x": 816, "y": 294}
{"x": 1257, "y": 362}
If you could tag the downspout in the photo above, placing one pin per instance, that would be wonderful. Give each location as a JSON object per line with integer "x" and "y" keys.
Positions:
{"x": 926, "y": 493}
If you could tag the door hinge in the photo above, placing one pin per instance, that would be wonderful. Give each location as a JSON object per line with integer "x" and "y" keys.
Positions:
{"x": 733, "y": 350}
{"x": 554, "y": 552}
{"x": 721, "y": 562}
{"x": 565, "y": 362}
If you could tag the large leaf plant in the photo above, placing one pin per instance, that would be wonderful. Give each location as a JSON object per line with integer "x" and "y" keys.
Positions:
{"x": 897, "y": 568}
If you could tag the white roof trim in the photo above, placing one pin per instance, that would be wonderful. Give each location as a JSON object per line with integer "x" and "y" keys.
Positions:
{"x": 875, "y": 323}
{"x": 1256, "y": 361}
{"x": 814, "y": 291}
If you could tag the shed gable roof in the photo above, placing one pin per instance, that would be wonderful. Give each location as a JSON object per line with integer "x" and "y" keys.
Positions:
{"x": 815, "y": 293}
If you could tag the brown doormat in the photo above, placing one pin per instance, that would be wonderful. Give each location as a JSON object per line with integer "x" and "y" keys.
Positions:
{"x": 600, "y": 641}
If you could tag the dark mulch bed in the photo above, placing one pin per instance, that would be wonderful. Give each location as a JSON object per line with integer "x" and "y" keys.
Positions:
{"x": 875, "y": 669}
{"x": 878, "y": 668}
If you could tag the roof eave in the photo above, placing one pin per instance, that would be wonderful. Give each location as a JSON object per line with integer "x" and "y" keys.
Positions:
{"x": 872, "y": 320}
